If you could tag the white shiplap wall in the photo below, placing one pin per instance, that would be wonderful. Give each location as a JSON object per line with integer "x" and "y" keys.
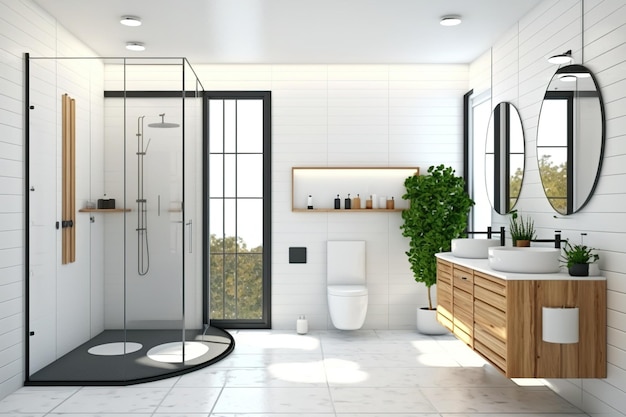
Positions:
{"x": 349, "y": 115}
{"x": 521, "y": 74}
{"x": 16, "y": 37}
{"x": 24, "y": 27}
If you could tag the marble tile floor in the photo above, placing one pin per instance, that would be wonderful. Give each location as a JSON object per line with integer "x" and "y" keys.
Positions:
{"x": 322, "y": 374}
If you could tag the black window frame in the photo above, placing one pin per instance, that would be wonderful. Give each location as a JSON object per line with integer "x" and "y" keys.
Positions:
{"x": 265, "y": 322}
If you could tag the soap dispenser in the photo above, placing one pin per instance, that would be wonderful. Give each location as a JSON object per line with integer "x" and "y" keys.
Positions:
{"x": 337, "y": 203}
{"x": 348, "y": 203}
{"x": 302, "y": 325}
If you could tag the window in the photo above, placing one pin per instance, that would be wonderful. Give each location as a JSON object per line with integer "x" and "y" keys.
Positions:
{"x": 238, "y": 222}
{"x": 478, "y": 111}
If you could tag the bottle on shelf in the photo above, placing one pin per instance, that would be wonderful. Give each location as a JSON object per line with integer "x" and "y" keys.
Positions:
{"x": 356, "y": 202}
{"x": 309, "y": 202}
{"x": 337, "y": 203}
{"x": 348, "y": 203}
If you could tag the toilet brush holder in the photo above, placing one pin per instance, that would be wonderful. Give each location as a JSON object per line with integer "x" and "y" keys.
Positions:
{"x": 302, "y": 325}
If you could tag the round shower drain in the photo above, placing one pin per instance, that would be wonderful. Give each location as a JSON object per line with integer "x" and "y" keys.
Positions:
{"x": 115, "y": 348}
{"x": 173, "y": 352}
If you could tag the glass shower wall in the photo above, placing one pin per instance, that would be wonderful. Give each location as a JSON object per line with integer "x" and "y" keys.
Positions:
{"x": 124, "y": 309}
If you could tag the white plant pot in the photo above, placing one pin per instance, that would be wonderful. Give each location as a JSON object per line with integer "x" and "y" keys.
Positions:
{"x": 427, "y": 322}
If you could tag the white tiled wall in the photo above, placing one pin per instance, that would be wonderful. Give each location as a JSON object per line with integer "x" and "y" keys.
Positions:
{"x": 26, "y": 28}
{"x": 521, "y": 74}
{"x": 349, "y": 115}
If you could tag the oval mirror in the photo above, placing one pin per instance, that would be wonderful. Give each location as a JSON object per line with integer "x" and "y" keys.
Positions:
{"x": 570, "y": 138}
{"x": 504, "y": 157}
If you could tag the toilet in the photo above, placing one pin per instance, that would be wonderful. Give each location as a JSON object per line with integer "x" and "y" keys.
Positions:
{"x": 346, "y": 286}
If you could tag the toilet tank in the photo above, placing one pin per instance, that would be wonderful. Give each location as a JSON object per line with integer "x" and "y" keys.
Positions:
{"x": 345, "y": 262}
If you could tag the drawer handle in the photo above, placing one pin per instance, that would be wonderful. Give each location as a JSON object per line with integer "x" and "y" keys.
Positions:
{"x": 463, "y": 277}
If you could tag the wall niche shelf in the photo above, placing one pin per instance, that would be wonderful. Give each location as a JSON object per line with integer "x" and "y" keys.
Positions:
{"x": 324, "y": 183}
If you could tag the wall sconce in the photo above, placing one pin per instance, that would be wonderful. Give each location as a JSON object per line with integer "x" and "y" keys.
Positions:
{"x": 564, "y": 58}
{"x": 560, "y": 325}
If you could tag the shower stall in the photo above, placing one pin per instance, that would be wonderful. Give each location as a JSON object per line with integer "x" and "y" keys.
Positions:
{"x": 115, "y": 292}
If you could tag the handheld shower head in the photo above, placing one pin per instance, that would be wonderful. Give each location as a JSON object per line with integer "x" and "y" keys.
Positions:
{"x": 163, "y": 123}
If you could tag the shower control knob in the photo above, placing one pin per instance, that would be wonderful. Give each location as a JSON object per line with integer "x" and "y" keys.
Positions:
{"x": 32, "y": 188}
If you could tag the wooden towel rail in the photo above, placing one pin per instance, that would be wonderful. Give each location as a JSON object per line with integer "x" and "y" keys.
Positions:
{"x": 68, "y": 209}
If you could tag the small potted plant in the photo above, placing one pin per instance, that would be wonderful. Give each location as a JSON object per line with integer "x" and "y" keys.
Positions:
{"x": 578, "y": 258}
{"x": 522, "y": 229}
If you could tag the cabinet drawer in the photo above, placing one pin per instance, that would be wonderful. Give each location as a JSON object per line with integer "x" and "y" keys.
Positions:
{"x": 463, "y": 278}
{"x": 463, "y": 320}
{"x": 490, "y": 355}
{"x": 444, "y": 305}
{"x": 445, "y": 320}
{"x": 491, "y": 319}
{"x": 444, "y": 293}
{"x": 464, "y": 301}
{"x": 488, "y": 297}
{"x": 462, "y": 336}
{"x": 484, "y": 336}
{"x": 493, "y": 284}
{"x": 444, "y": 267}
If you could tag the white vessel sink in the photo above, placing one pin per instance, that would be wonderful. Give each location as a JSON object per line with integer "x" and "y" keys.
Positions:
{"x": 472, "y": 248}
{"x": 524, "y": 260}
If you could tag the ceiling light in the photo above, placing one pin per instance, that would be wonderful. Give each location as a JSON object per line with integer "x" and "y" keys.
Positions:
{"x": 135, "y": 46}
{"x": 130, "y": 21}
{"x": 564, "y": 58}
{"x": 450, "y": 21}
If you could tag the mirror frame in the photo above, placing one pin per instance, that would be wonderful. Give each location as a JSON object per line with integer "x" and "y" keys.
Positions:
{"x": 573, "y": 69}
{"x": 501, "y": 166}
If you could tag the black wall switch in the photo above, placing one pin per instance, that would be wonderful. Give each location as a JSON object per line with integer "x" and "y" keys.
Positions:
{"x": 297, "y": 255}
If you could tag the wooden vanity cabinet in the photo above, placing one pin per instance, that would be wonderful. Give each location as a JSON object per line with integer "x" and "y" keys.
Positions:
{"x": 501, "y": 319}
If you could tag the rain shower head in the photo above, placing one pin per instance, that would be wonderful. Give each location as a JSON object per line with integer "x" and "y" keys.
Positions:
{"x": 163, "y": 123}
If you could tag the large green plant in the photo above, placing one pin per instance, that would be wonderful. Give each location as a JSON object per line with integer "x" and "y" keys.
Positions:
{"x": 438, "y": 212}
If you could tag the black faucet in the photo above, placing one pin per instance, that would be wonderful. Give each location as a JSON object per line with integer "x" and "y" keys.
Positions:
{"x": 489, "y": 233}
{"x": 557, "y": 239}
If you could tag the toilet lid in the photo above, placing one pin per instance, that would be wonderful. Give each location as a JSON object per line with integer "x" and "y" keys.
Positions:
{"x": 347, "y": 290}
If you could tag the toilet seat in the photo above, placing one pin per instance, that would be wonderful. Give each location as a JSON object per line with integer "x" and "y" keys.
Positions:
{"x": 347, "y": 290}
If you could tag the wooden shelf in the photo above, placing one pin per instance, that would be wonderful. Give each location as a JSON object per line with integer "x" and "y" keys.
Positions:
{"x": 332, "y": 210}
{"x": 115, "y": 210}
{"x": 325, "y": 183}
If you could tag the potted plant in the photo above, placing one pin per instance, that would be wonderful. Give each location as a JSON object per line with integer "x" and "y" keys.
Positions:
{"x": 438, "y": 212}
{"x": 522, "y": 229}
{"x": 578, "y": 258}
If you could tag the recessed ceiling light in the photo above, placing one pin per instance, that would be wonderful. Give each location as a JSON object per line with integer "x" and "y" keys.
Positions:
{"x": 450, "y": 21}
{"x": 135, "y": 46}
{"x": 130, "y": 21}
